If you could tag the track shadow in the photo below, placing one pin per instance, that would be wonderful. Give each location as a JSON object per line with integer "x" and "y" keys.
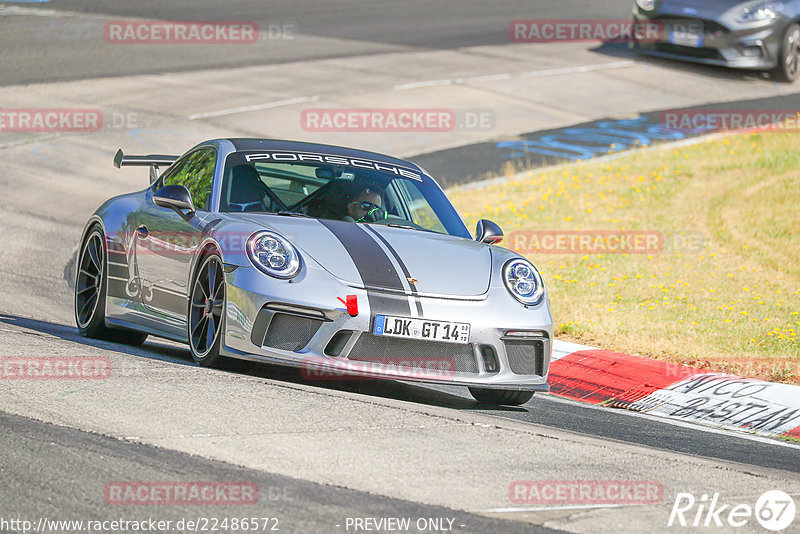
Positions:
{"x": 387, "y": 389}
{"x": 393, "y": 389}
{"x": 167, "y": 351}
{"x": 154, "y": 348}
{"x": 621, "y": 51}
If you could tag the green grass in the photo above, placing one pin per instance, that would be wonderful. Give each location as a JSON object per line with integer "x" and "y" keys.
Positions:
{"x": 729, "y": 303}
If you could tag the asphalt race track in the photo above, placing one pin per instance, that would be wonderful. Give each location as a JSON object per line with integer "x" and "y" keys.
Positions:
{"x": 319, "y": 452}
{"x": 576, "y": 142}
{"x": 35, "y": 455}
{"x": 346, "y": 28}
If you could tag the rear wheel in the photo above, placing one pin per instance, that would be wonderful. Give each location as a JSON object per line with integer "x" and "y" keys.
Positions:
{"x": 788, "y": 68}
{"x": 206, "y": 307}
{"x": 91, "y": 284}
{"x": 500, "y": 397}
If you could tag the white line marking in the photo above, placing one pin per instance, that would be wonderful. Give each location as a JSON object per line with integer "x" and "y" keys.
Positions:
{"x": 34, "y": 12}
{"x": 572, "y": 70}
{"x": 418, "y": 85}
{"x": 550, "y": 508}
{"x": 529, "y": 74}
{"x": 257, "y": 107}
{"x": 489, "y": 78}
{"x": 452, "y": 81}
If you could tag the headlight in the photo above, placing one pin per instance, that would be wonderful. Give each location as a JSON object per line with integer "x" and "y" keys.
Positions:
{"x": 273, "y": 254}
{"x": 760, "y": 12}
{"x": 523, "y": 281}
{"x": 646, "y": 5}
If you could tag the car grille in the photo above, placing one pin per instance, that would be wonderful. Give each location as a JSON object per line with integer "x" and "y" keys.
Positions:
{"x": 371, "y": 348}
{"x": 526, "y": 357}
{"x": 290, "y": 332}
{"x": 709, "y": 26}
{"x": 688, "y": 51}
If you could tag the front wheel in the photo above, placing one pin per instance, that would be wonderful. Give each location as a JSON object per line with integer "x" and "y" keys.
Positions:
{"x": 206, "y": 307}
{"x": 499, "y": 397}
{"x": 788, "y": 68}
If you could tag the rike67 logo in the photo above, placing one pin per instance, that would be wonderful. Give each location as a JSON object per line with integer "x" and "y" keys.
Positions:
{"x": 774, "y": 510}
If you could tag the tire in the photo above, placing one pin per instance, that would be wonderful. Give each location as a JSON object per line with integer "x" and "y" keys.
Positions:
{"x": 207, "y": 311}
{"x": 788, "y": 69}
{"x": 499, "y": 397}
{"x": 91, "y": 285}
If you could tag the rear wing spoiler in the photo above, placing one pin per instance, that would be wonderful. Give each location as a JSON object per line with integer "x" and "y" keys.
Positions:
{"x": 154, "y": 161}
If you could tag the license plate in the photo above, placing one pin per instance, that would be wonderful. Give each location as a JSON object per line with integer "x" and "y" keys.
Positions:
{"x": 687, "y": 35}
{"x": 406, "y": 327}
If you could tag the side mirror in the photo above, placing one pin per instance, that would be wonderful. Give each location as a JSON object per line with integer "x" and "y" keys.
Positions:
{"x": 175, "y": 197}
{"x": 488, "y": 232}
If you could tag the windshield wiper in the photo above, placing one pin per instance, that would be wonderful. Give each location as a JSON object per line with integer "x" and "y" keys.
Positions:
{"x": 396, "y": 225}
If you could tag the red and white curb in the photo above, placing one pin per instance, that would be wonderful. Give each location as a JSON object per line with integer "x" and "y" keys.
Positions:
{"x": 616, "y": 380}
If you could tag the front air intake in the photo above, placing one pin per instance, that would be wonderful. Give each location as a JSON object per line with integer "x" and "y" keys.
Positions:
{"x": 525, "y": 356}
{"x": 380, "y": 349}
{"x": 290, "y": 332}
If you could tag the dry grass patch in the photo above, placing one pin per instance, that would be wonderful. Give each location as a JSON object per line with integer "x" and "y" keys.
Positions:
{"x": 724, "y": 294}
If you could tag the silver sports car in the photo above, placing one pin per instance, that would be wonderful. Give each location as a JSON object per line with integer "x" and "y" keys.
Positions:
{"x": 341, "y": 262}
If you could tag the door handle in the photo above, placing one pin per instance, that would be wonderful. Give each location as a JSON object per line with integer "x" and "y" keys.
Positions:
{"x": 142, "y": 232}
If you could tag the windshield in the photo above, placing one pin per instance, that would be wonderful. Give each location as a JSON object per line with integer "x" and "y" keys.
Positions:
{"x": 338, "y": 188}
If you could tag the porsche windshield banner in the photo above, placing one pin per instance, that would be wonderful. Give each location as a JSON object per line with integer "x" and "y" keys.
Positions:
{"x": 307, "y": 157}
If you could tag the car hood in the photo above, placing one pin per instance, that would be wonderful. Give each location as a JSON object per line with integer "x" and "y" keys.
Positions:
{"x": 708, "y": 9}
{"x": 376, "y": 256}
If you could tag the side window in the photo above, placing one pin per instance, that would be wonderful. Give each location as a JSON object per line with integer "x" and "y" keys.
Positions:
{"x": 419, "y": 210}
{"x": 195, "y": 173}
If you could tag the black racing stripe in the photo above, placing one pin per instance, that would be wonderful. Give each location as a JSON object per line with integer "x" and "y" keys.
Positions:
{"x": 373, "y": 265}
{"x": 114, "y": 247}
{"x": 168, "y": 301}
{"x": 402, "y": 265}
{"x": 116, "y": 288}
{"x": 120, "y": 271}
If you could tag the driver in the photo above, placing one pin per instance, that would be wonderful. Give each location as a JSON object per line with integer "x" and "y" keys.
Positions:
{"x": 365, "y": 205}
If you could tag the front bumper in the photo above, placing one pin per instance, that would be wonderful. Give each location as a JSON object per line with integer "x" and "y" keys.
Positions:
{"x": 743, "y": 47}
{"x": 302, "y": 324}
